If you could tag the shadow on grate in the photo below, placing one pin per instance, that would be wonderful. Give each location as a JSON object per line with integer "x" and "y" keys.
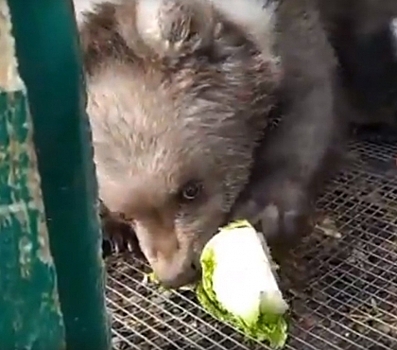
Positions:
{"x": 341, "y": 283}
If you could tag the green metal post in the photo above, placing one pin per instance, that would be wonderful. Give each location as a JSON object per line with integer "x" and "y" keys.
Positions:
{"x": 50, "y": 65}
{"x": 30, "y": 316}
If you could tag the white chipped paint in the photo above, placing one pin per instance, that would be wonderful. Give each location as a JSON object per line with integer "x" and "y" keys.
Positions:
{"x": 9, "y": 77}
{"x": 16, "y": 208}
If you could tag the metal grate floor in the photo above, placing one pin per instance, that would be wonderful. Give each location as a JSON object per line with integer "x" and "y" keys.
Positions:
{"x": 343, "y": 293}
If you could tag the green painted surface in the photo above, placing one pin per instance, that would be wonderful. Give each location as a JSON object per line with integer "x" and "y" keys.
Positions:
{"x": 48, "y": 53}
{"x": 30, "y": 316}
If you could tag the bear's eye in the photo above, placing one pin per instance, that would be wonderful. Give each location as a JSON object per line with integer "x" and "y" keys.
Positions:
{"x": 191, "y": 190}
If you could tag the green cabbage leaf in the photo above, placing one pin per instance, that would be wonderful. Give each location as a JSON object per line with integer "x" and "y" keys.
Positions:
{"x": 266, "y": 318}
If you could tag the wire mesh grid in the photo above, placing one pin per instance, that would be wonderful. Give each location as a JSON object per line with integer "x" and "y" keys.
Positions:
{"x": 341, "y": 283}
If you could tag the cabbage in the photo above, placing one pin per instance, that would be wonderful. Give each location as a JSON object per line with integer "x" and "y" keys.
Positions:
{"x": 238, "y": 285}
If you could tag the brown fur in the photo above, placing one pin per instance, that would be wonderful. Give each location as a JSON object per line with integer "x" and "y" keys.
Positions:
{"x": 360, "y": 32}
{"x": 187, "y": 103}
{"x": 294, "y": 160}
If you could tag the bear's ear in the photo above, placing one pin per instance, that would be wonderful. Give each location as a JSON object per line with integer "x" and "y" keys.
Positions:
{"x": 168, "y": 28}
